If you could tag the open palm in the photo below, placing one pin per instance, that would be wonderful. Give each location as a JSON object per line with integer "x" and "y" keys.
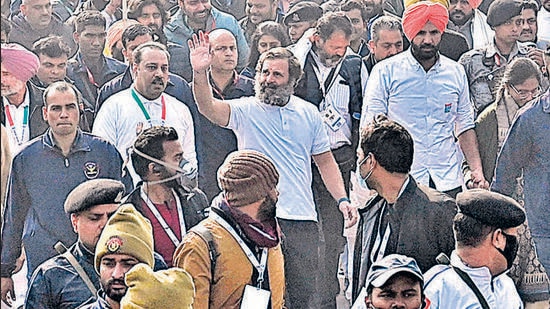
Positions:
{"x": 199, "y": 47}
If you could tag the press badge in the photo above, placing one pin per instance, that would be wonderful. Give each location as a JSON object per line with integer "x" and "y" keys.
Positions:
{"x": 255, "y": 298}
{"x": 332, "y": 118}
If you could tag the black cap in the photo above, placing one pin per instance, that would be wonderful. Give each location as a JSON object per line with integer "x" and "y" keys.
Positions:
{"x": 92, "y": 193}
{"x": 490, "y": 208}
{"x": 303, "y": 11}
{"x": 502, "y": 10}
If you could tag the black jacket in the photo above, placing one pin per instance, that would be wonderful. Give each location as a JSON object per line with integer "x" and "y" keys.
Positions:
{"x": 421, "y": 221}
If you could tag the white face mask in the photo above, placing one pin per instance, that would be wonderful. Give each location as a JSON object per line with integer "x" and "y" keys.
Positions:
{"x": 185, "y": 176}
{"x": 360, "y": 180}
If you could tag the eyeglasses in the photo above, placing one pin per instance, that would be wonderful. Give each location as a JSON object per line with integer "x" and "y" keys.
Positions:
{"x": 524, "y": 94}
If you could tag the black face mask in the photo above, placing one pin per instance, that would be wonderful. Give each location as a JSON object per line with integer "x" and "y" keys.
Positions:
{"x": 510, "y": 250}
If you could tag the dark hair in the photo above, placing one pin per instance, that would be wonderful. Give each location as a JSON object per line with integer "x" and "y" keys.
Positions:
{"x": 88, "y": 18}
{"x": 150, "y": 142}
{"x": 517, "y": 72}
{"x": 62, "y": 86}
{"x": 6, "y": 26}
{"x": 530, "y": 4}
{"x": 470, "y": 232}
{"x": 135, "y": 8}
{"x": 294, "y": 68}
{"x": 52, "y": 46}
{"x": 331, "y": 22}
{"x": 355, "y": 5}
{"x": 133, "y": 31}
{"x": 390, "y": 143}
{"x": 138, "y": 52}
{"x": 272, "y": 28}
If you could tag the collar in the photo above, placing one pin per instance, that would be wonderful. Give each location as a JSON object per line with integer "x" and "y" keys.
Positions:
{"x": 82, "y": 66}
{"x": 83, "y": 251}
{"x": 215, "y": 87}
{"x": 26, "y": 100}
{"x": 479, "y": 274}
{"x": 79, "y": 143}
{"x": 145, "y": 100}
{"x": 492, "y": 50}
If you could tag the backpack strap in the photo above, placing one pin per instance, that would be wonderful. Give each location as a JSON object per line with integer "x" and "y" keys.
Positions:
{"x": 206, "y": 235}
{"x": 443, "y": 259}
{"x": 64, "y": 252}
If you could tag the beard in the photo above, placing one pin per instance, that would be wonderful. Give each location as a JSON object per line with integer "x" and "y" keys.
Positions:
{"x": 267, "y": 210}
{"x": 272, "y": 94}
{"x": 421, "y": 54}
{"x": 115, "y": 294}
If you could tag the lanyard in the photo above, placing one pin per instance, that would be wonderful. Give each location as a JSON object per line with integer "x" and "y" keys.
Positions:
{"x": 161, "y": 220}
{"x": 260, "y": 266}
{"x": 12, "y": 124}
{"x": 144, "y": 111}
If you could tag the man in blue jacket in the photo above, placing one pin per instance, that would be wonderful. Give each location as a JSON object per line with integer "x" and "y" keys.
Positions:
{"x": 195, "y": 15}
{"x": 42, "y": 176}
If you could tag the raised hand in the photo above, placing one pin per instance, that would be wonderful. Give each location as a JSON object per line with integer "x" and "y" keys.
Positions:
{"x": 199, "y": 52}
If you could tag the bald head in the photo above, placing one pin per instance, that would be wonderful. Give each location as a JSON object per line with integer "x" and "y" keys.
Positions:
{"x": 223, "y": 47}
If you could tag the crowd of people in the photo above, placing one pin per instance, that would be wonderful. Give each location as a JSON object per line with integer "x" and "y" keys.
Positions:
{"x": 251, "y": 153}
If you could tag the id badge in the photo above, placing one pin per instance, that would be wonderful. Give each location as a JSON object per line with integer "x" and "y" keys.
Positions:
{"x": 255, "y": 298}
{"x": 332, "y": 118}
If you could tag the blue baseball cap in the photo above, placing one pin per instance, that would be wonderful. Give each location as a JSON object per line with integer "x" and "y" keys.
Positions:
{"x": 381, "y": 271}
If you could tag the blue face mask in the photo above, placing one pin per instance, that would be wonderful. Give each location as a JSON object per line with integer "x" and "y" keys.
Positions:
{"x": 360, "y": 180}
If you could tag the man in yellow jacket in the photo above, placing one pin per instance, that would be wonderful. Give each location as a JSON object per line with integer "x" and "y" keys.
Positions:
{"x": 234, "y": 256}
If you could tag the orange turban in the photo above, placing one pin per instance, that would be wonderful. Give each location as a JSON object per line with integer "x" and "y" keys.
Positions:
{"x": 474, "y": 3}
{"x": 114, "y": 34}
{"x": 417, "y": 15}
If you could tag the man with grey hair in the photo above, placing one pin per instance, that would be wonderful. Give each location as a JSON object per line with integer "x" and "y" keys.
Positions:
{"x": 291, "y": 132}
{"x": 386, "y": 40}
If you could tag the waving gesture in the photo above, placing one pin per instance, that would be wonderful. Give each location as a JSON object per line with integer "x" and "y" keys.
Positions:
{"x": 199, "y": 48}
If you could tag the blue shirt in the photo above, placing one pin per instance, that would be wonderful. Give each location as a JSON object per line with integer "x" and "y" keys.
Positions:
{"x": 289, "y": 136}
{"x": 433, "y": 106}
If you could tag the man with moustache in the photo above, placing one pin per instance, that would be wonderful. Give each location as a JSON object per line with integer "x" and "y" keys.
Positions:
{"x": 291, "y": 132}
{"x": 386, "y": 40}
{"x": 467, "y": 19}
{"x": 199, "y": 15}
{"x": 126, "y": 240}
{"x": 243, "y": 231}
{"x": 132, "y": 37}
{"x": 485, "y": 66}
{"x": 152, "y": 14}
{"x": 57, "y": 283}
{"x": 21, "y": 99}
{"x": 333, "y": 82}
{"x": 420, "y": 83}
{"x": 258, "y": 11}
{"x": 146, "y": 104}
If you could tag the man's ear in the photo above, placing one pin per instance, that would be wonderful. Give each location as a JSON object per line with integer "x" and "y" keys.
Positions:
{"x": 124, "y": 53}
{"x": 74, "y": 222}
{"x": 497, "y": 239}
{"x": 44, "y": 112}
{"x": 371, "y": 46}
